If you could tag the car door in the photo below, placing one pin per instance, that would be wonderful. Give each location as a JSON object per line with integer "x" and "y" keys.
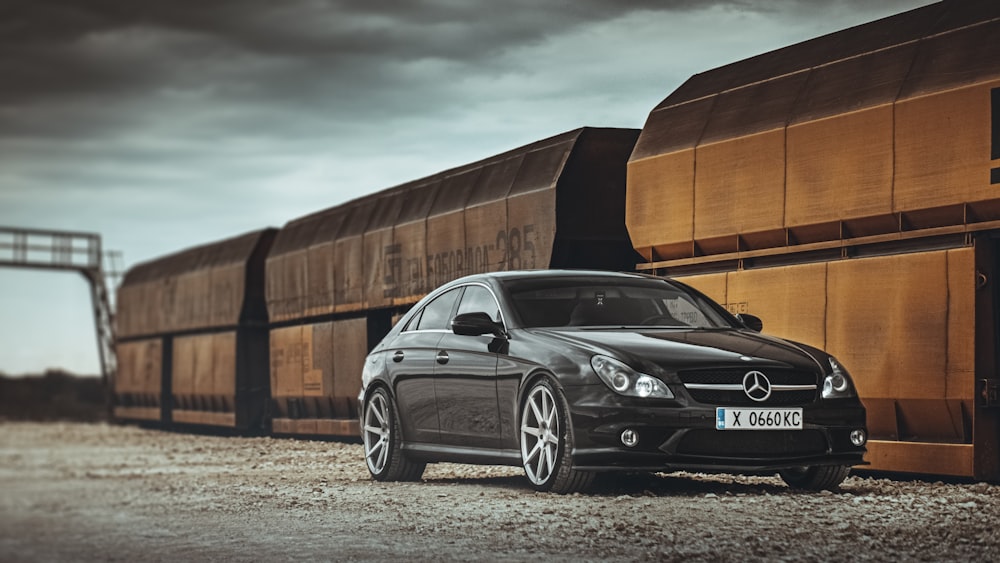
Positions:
{"x": 410, "y": 362}
{"x": 465, "y": 379}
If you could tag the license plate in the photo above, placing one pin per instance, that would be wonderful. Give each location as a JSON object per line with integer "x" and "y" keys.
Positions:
{"x": 727, "y": 418}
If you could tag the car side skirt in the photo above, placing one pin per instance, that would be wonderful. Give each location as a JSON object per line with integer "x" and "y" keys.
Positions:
{"x": 461, "y": 454}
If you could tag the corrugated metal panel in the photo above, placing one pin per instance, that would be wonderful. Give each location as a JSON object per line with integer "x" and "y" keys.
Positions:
{"x": 840, "y": 168}
{"x": 350, "y": 345}
{"x": 137, "y": 383}
{"x": 790, "y": 300}
{"x": 321, "y": 288}
{"x": 317, "y": 371}
{"x": 287, "y": 271}
{"x": 286, "y": 362}
{"x": 914, "y": 366}
{"x": 541, "y": 167}
{"x": 204, "y": 364}
{"x": 406, "y": 259}
{"x": 853, "y": 84}
{"x": 227, "y": 286}
{"x": 955, "y": 59}
{"x": 374, "y": 251}
{"x": 183, "y": 365}
{"x": 531, "y": 210}
{"x": 139, "y": 364}
{"x": 659, "y": 205}
{"x": 752, "y": 109}
{"x": 863, "y": 111}
{"x": 224, "y": 366}
{"x": 740, "y": 185}
{"x": 941, "y": 149}
{"x": 673, "y": 128}
{"x": 320, "y": 285}
{"x": 445, "y": 249}
{"x": 198, "y": 288}
{"x": 865, "y": 38}
{"x": 349, "y": 254}
{"x": 378, "y": 244}
{"x": 486, "y": 214}
{"x": 872, "y": 328}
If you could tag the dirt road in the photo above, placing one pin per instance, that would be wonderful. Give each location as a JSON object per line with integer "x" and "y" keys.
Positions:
{"x": 72, "y": 492}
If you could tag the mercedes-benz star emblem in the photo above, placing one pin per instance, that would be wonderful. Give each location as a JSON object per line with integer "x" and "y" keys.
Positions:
{"x": 756, "y": 386}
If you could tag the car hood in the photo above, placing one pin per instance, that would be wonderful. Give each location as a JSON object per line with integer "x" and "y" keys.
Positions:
{"x": 674, "y": 350}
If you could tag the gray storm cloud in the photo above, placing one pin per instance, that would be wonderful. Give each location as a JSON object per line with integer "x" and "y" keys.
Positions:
{"x": 164, "y": 124}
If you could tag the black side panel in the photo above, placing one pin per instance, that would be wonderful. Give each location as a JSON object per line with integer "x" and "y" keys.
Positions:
{"x": 995, "y": 133}
{"x": 166, "y": 380}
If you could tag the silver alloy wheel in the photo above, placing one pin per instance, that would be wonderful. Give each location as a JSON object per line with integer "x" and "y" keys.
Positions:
{"x": 539, "y": 435}
{"x": 377, "y": 433}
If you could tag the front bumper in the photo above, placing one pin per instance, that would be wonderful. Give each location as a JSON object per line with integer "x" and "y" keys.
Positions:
{"x": 681, "y": 434}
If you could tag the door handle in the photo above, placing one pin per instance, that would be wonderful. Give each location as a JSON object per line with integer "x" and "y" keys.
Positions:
{"x": 398, "y": 356}
{"x": 442, "y": 357}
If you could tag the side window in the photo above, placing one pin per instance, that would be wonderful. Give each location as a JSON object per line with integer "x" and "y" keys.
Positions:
{"x": 437, "y": 313}
{"x": 478, "y": 299}
{"x": 412, "y": 325}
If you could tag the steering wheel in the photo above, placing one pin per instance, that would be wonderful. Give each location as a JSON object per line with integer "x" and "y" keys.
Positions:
{"x": 652, "y": 320}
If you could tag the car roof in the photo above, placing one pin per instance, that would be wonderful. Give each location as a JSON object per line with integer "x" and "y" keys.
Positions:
{"x": 549, "y": 274}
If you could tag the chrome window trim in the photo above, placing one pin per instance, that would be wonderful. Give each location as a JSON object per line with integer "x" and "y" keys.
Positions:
{"x": 503, "y": 318}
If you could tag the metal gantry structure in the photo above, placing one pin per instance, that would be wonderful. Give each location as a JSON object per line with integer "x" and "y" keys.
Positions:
{"x": 70, "y": 251}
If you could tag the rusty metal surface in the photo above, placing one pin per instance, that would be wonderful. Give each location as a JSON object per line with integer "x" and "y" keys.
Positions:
{"x": 390, "y": 248}
{"x": 904, "y": 325}
{"x": 316, "y": 372}
{"x": 197, "y": 288}
{"x": 858, "y": 66}
{"x": 137, "y": 385}
{"x": 837, "y": 136}
{"x": 866, "y": 38}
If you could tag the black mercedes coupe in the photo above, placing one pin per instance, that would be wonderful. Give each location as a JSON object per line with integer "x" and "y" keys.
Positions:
{"x": 572, "y": 373}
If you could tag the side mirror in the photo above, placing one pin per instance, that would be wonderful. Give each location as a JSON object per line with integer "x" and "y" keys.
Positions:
{"x": 752, "y": 322}
{"x": 475, "y": 324}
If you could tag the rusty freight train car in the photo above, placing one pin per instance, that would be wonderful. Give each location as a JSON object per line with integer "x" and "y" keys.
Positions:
{"x": 192, "y": 337}
{"x": 847, "y": 189}
{"x": 337, "y": 279}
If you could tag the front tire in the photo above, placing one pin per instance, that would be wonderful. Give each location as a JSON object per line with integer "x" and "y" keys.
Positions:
{"x": 546, "y": 442}
{"x": 816, "y": 478}
{"x": 382, "y": 438}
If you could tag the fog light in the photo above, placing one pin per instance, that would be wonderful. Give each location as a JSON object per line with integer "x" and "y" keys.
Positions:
{"x": 858, "y": 437}
{"x": 630, "y": 437}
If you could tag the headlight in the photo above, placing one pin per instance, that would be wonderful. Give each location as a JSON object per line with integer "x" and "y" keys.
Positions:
{"x": 626, "y": 381}
{"x": 837, "y": 384}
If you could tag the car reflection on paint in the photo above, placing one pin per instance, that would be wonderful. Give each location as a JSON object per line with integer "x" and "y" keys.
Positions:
{"x": 571, "y": 373}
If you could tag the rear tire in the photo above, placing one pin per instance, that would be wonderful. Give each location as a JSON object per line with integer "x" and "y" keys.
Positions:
{"x": 383, "y": 441}
{"x": 546, "y": 442}
{"x": 816, "y": 478}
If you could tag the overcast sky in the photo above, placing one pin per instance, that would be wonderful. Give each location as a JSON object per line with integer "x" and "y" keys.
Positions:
{"x": 165, "y": 124}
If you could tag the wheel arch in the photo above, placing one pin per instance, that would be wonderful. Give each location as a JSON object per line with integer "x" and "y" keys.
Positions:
{"x": 527, "y": 383}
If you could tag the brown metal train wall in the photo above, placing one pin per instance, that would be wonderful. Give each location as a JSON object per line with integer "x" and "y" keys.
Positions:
{"x": 845, "y": 190}
{"x": 192, "y": 336}
{"x": 904, "y": 325}
{"x": 337, "y": 279}
{"x": 878, "y": 129}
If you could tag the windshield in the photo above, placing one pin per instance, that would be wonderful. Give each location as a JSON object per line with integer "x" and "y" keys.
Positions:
{"x": 586, "y": 302}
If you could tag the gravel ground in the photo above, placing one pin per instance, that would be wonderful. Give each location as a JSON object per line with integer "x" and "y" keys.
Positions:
{"x": 121, "y": 493}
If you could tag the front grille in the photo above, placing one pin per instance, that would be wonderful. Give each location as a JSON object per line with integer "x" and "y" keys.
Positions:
{"x": 739, "y": 398}
{"x": 752, "y": 443}
{"x": 736, "y": 397}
